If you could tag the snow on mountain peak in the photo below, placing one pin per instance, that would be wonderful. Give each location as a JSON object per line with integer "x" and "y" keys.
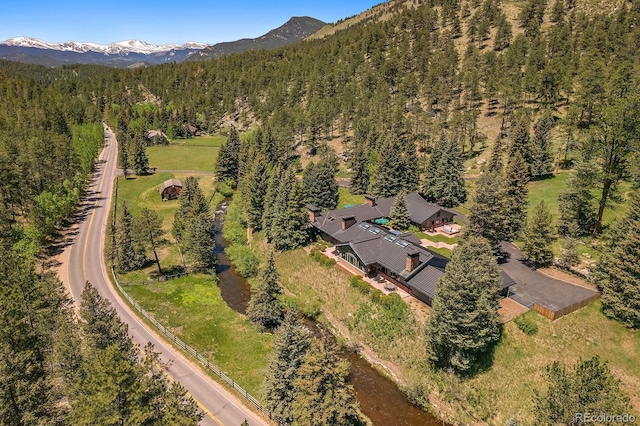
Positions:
{"x": 121, "y": 47}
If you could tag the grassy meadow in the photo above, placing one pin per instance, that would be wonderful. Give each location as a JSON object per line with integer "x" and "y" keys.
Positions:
{"x": 193, "y": 309}
{"x": 197, "y": 154}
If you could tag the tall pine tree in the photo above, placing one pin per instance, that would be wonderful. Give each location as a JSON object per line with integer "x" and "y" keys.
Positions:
{"x": 291, "y": 344}
{"x": 487, "y": 215}
{"x": 323, "y": 396}
{"x": 399, "y": 215}
{"x": 618, "y": 270}
{"x": 360, "y": 169}
{"x": 227, "y": 166}
{"x": 265, "y": 308}
{"x": 516, "y": 203}
{"x": 539, "y": 236}
{"x": 464, "y": 321}
{"x": 388, "y": 178}
{"x": 320, "y": 186}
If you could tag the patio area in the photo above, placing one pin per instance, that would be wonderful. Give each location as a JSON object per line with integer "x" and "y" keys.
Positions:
{"x": 378, "y": 282}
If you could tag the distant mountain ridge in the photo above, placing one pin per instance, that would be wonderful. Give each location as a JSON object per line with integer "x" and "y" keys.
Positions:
{"x": 295, "y": 29}
{"x": 123, "y": 54}
{"x": 127, "y": 46}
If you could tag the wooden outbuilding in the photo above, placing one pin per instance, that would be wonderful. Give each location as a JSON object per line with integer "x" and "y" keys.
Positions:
{"x": 170, "y": 189}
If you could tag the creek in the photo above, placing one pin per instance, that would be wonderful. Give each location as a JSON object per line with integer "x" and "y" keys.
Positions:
{"x": 379, "y": 398}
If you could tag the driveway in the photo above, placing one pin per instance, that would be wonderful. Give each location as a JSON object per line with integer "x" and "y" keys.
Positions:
{"x": 534, "y": 287}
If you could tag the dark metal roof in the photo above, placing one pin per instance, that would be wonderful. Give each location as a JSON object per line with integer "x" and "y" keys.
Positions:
{"x": 427, "y": 280}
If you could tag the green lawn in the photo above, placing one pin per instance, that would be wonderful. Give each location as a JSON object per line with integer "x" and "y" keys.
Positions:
{"x": 198, "y": 154}
{"x": 193, "y": 309}
{"x": 348, "y": 198}
{"x": 548, "y": 190}
{"x": 438, "y": 238}
{"x": 142, "y": 191}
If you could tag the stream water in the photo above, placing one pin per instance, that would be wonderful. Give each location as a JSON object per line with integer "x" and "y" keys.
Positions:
{"x": 379, "y": 398}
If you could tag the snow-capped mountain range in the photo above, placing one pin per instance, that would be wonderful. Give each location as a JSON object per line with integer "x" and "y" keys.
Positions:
{"x": 121, "y": 47}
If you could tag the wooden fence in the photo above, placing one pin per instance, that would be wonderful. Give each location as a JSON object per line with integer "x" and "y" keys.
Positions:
{"x": 554, "y": 315}
{"x": 195, "y": 354}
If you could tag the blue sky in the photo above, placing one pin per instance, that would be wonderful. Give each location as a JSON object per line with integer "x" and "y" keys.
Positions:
{"x": 161, "y": 21}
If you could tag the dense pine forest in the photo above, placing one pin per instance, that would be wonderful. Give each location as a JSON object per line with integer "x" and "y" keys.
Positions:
{"x": 416, "y": 94}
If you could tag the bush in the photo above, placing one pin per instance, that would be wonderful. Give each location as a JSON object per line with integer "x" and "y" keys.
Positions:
{"x": 359, "y": 284}
{"x": 321, "y": 258}
{"x": 376, "y": 295}
{"x": 225, "y": 188}
{"x": 244, "y": 259}
{"x": 527, "y": 326}
{"x": 234, "y": 229}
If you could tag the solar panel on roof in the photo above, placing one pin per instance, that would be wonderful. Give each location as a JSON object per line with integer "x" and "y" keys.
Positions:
{"x": 364, "y": 226}
{"x": 374, "y": 230}
{"x": 402, "y": 243}
{"x": 390, "y": 237}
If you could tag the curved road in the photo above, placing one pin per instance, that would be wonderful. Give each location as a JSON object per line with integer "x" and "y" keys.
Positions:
{"x": 83, "y": 261}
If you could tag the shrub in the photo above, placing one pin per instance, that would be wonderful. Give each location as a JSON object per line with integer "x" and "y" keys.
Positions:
{"x": 376, "y": 295}
{"x": 225, "y": 188}
{"x": 321, "y": 258}
{"x": 244, "y": 259}
{"x": 527, "y": 326}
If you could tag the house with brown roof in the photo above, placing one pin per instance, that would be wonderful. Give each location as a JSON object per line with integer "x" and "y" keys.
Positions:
{"x": 170, "y": 189}
{"x": 375, "y": 250}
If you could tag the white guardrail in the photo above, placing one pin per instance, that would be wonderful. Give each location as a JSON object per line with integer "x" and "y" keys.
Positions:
{"x": 193, "y": 352}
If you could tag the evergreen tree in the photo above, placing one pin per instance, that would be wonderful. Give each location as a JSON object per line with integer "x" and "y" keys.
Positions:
{"x": 149, "y": 232}
{"x": 124, "y": 159}
{"x": 448, "y": 185}
{"x": 618, "y": 271}
{"x": 140, "y": 159}
{"x": 399, "y": 215}
{"x": 101, "y": 327}
{"x": 515, "y": 187}
{"x": 270, "y": 210}
{"x": 360, "y": 170}
{"x": 577, "y": 215}
{"x": 429, "y": 186}
{"x": 521, "y": 140}
{"x": 199, "y": 244}
{"x": 265, "y": 308}
{"x": 588, "y": 387}
{"x": 504, "y": 33}
{"x": 254, "y": 188}
{"x": 128, "y": 257}
{"x": 290, "y": 346}
{"x": 192, "y": 204}
{"x": 539, "y": 236}
{"x": 464, "y": 321}
{"x": 487, "y": 215}
{"x": 290, "y": 222}
{"x": 495, "y": 162}
{"x": 227, "y": 166}
{"x": 323, "y": 396}
{"x": 388, "y": 177}
{"x": 411, "y": 172}
{"x": 320, "y": 186}
{"x": 541, "y": 158}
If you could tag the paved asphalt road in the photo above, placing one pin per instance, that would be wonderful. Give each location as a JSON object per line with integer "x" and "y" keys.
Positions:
{"x": 85, "y": 263}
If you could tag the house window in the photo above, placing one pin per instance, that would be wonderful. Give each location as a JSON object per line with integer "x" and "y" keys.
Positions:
{"x": 352, "y": 259}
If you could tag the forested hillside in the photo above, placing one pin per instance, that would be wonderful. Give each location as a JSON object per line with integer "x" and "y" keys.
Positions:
{"x": 427, "y": 85}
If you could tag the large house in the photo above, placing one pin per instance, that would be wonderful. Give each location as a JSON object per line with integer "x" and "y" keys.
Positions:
{"x": 424, "y": 215}
{"x": 375, "y": 250}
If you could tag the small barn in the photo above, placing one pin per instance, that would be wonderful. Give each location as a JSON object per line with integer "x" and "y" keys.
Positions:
{"x": 170, "y": 189}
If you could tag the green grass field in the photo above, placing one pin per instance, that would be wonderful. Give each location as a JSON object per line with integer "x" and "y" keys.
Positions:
{"x": 192, "y": 308}
{"x": 348, "y": 198}
{"x": 548, "y": 190}
{"x": 198, "y": 154}
{"x": 438, "y": 238}
{"x": 142, "y": 191}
